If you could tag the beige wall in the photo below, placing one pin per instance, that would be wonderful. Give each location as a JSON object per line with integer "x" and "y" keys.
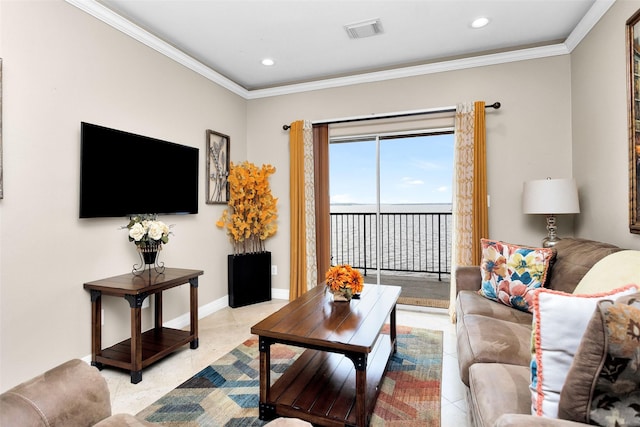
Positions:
{"x": 528, "y": 138}
{"x": 61, "y": 67}
{"x": 599, "y": 124}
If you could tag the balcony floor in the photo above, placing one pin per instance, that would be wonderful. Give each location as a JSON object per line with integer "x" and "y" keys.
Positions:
{"x": 423, "y": 289}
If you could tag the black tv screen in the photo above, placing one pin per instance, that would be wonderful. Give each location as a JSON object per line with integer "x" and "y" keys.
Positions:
{"x": 123, "y": 174}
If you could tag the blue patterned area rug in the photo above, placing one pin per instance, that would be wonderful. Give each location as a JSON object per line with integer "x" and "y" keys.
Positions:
{"x": 226, "y": 393}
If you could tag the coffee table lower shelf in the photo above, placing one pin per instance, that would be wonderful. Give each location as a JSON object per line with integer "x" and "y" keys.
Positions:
{"x": 320, "y": 386}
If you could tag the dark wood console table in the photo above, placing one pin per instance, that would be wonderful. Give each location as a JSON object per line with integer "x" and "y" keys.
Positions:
{"x": 142, "y": 349}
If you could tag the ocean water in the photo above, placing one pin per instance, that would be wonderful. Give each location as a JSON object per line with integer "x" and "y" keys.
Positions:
{"x": 412, "y": 237}
{"x": 392, "y": 208}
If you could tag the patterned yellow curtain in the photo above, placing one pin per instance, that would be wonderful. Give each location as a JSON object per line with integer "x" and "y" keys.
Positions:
{"x": 303, "y": 271}
{"x": 470, "y": 216}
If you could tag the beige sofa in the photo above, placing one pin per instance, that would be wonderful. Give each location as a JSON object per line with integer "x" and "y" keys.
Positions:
{"x": 494, "y": 340}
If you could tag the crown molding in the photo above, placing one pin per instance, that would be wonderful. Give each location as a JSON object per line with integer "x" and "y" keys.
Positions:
{"x": 595, "y": 13}
{"x": 419, "y": 70}
{"x": 116, "y": 21}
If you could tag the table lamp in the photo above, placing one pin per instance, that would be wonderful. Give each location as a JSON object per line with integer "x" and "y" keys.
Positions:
{"x": 550, "y": 197}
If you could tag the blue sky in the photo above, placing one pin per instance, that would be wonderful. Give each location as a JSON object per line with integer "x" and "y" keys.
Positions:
{"x": 412, "y": 170}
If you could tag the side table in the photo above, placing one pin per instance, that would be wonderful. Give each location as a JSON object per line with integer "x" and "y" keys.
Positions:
{"x": 142, "y": 349}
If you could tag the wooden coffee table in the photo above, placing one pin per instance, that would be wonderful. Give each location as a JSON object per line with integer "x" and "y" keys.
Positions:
{"x": 337, "y": 380}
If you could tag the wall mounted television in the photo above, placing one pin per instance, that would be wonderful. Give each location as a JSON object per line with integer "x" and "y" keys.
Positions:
{"x": 123, "y": 174}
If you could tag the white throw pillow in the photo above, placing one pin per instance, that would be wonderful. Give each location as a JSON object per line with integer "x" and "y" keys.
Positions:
{"x": 559, "y": 321}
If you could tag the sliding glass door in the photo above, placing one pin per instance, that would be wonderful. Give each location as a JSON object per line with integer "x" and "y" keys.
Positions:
{"x": 391, "y": 202}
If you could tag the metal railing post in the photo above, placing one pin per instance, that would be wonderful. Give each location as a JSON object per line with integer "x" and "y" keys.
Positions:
{"x": 439, "y": 249}
{"x": 364, "y": 242}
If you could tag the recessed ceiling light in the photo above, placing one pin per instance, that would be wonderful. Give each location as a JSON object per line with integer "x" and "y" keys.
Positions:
{"x": 480, "y": 22}
{"x": 268, "y": 62}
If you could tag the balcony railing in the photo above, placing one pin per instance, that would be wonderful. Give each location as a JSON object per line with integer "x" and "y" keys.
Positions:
{"x": 409, "y": 242}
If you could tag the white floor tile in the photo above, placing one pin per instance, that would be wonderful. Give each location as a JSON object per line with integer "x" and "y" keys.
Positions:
{"x": 452, "y": 416}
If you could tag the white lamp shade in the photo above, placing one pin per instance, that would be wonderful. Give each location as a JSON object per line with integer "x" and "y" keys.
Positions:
{"x": 550, "y": 196}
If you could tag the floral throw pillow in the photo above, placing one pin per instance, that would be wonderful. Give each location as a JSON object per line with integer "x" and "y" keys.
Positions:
{"x": 616, "y": 396}
{"x": 510, "y": 273}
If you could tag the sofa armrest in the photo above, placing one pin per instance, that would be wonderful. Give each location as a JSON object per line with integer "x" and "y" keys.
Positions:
{"x": 523, "y": 420}
{"x": 468, "y": 278}
{"x": 71, "y": 394}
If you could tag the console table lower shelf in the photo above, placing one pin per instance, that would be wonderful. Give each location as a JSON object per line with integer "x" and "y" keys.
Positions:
{"x": 156, "y": 344}
{"x": 322, "y": 388}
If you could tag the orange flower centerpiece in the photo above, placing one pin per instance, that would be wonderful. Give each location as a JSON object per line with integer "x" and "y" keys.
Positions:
{"x": 344, "y": 281}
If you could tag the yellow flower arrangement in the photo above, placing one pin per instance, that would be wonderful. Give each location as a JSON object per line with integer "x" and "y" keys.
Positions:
{"x": 252, "y": 213}
{"x": 344, "y": 279}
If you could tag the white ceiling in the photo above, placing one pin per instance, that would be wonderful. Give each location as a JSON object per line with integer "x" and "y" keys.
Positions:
{"x": 226, "y": 40}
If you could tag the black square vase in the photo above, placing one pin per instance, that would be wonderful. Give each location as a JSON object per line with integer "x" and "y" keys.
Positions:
{"x": 249, "y": 278}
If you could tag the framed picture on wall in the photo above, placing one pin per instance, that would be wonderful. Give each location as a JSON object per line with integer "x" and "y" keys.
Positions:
{"x": 633, "y": 84}
{"x": 218, "y": 146}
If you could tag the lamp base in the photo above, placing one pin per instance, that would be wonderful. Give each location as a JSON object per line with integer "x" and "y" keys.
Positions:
{"x": 549, "y": 242}
{"x": 552, "y": 238}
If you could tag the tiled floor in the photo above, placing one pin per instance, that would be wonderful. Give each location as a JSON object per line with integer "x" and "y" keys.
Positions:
{"x": 225, "y": 329}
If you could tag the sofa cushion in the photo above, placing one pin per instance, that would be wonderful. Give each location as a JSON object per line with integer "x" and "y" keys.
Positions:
{"x": 574, "y": 258}
{"x": 604, "y": 381}
{"x": 469, "y": 302}
{"x": 510, "y": 273}
{"x": 498, "y": 389}
{"x": 482, "y": 339}
{"x": 559, "y": 322}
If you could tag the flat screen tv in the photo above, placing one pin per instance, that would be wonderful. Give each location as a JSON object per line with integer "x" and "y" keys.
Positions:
{"x": 123, "y": 174}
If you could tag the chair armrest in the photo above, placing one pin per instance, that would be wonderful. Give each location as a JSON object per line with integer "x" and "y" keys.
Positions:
{"x": 468, "y": 278}
{"x": 523, "y": 420}
{"x": 71, "y": 394}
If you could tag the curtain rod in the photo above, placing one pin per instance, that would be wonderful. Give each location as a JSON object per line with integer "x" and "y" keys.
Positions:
{"x": 495, "y": 105}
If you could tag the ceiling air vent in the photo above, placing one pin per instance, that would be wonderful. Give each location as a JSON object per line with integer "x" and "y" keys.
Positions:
{"x": 362, "y": 29}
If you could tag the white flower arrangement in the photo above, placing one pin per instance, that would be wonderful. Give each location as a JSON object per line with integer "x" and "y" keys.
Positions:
{"x": 146, "y": 230}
